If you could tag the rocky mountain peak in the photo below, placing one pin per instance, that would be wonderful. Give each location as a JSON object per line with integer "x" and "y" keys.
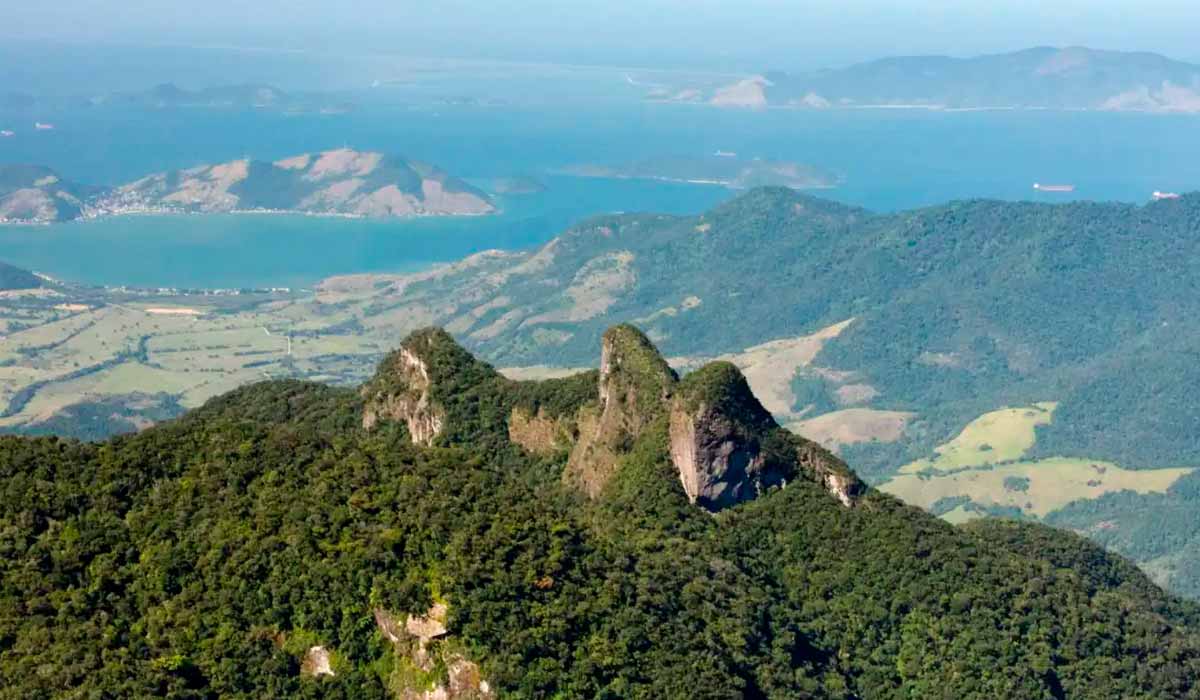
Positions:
{"x": 632, "y": 374}
{"x": 412, "y": 383}
{"x": 728, "y": 448}
{"x": 724, "y": 444}
{"x": 717, "y": 430}
{"x": 635, "y": 383}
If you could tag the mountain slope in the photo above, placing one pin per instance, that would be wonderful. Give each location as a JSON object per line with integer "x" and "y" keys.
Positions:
{"x": 338, "y": 182}
{"x": 269, "y": 545}
{"x": 31, "y": 193}
{"x": 1044, "y": 77}
{"x": 926, "y": 347}
{"x": 889, "y": 333}
{"x": 14, "y": 278}
{"x": 962, "y": 307}
{"x": 334, "y": 182}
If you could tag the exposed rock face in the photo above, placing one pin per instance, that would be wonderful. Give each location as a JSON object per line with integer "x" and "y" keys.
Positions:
{"x": 725, "y": 445}
{"x": 824, "y": 468}
{"x": 465, "y": 681}
{"x": 431, "y": 384}
{"x": 405, "y": 397}
{"x": 429, "y": 626}
{"x": 389, "y": 625}
{"x": 635, "y": 383}
{"x": 317, "y": 662}
{"x": 539, "y": 434}
{"x": 417, "y": 643}
{"x": 715, "y": 429}
{"x": 446, "y": 397}
{"x": 715, "y": 467}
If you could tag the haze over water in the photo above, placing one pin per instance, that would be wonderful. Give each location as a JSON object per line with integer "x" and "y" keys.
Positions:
{"x": 888, "y": 159}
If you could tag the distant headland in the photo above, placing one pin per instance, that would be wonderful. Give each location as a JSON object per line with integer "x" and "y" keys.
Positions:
{"x": 341, "y": 182}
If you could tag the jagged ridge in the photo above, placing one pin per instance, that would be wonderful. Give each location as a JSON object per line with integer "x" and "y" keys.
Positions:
{"x": 725, "y": 446}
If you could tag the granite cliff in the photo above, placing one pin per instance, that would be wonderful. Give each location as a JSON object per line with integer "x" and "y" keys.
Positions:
{"x": 725, "y": 447}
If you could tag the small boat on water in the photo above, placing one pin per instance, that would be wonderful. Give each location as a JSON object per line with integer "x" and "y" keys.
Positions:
{"x": 1158, "y": 196}
{"x": 1053, "y": 188}
{"x": 7, "y": 134}
{"x": 43, "y": 127}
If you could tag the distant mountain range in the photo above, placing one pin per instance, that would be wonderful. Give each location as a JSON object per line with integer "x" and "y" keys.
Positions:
{"x": 339, "y": 182}
{"x": 1038, "y": 78}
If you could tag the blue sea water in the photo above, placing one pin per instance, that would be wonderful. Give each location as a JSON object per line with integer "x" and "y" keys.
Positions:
{"x": 260, "y": 250}
{"x": 888, "y": 159}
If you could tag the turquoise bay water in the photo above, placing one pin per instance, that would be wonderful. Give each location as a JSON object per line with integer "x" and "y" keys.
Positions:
{"x": 889, "y": 160}
{"x": 245, "y": 250}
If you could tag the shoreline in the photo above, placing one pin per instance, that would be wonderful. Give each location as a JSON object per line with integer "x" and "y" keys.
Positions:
{"x": 88, "y": 217}
{"x": 1163, "y": 112}
{"x": 727, "y": 184}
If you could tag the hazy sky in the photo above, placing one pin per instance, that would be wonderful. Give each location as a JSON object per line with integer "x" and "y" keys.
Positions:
{"x": 746, "y": 34}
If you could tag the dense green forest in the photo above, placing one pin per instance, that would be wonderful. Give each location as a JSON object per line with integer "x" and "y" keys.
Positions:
{"x": 203, "y": 557}
{"x": 958, "y": 310}
{"x": 1086, "y": 303}
{"x": 1160, "y": 530}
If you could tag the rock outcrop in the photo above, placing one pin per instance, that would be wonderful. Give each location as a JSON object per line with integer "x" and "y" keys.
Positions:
{"x": 419, "y": 644}
{"x": 427, "y": 384}
{"x": 724, "y": 444}
{"x": 821, "y": 466}
{"x": 405, "y": 397}
{"x": 389, "y": 625}
{"x": 539, "y": 433}
{"x": 429, "y": 626}
{"x": 635, "y": 383}
{"x": 716, "y": 428}
{"x": 317, "y": 662}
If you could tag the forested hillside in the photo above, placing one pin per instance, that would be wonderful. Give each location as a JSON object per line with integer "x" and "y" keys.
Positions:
{"x": 923, "y": 322}
{"x": 291, "y": 540}
{"x": 957, "y": 309}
